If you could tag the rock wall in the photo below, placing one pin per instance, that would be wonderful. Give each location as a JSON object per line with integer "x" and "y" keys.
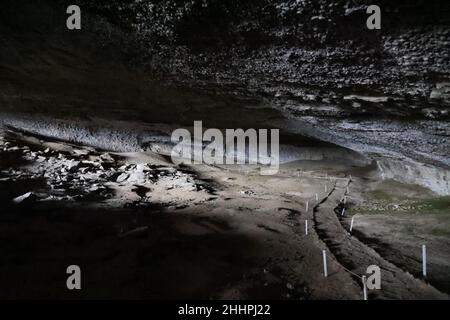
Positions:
{"x": 317, "y": 53}
{"x": 313, "y": 52}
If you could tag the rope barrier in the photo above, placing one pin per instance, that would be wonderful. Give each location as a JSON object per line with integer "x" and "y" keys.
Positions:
{"x": 346, "y": 235}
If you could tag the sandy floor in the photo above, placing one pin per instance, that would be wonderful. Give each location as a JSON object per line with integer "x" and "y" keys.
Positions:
{"x": 141, "y": 228}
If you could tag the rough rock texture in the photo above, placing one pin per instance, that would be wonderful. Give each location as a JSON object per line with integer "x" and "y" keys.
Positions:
{"x": 318, "y": 53}
{"x": 223, "y": 58}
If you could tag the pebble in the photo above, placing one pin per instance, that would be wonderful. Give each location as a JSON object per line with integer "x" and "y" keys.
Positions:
{"x": 122, "y": 177}
{"x": 25, "y": 198}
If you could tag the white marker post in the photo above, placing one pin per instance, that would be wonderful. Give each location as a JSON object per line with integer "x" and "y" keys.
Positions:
{"x": 317, "y": 197}
{"x": 325, "y": 269}
{"x": 307, "y": 206}
{"x": 326, "y": 189}
{"x": 424, "y": 260}
{"x": 351, "y": 223}
{"x": 343, "y": 211}
{"x": 348, "y": 191}
{"x": 364, "y": 287}
{"x": 306, "y": 227}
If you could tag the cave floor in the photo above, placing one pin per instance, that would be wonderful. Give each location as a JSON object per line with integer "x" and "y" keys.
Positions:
{"x": 140, "y": 227}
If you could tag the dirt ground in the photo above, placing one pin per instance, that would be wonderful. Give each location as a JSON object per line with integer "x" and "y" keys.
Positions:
{"x": 141, "y": 228}
{"x": 397, "y": 219}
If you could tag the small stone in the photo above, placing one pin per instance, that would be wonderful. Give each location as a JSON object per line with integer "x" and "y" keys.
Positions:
{"x": 106, "y": 157}
{"x": 122, "y": 177}
{"x": 25, "y": 198}
{"x": 80, "y": 152}
{"x": 73, "y": 165}
{"x": 94, "y": 188}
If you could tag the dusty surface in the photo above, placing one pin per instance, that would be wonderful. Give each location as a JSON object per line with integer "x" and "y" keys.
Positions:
{"x": 396, "y": 219}
{"x": 141, "y": 228}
